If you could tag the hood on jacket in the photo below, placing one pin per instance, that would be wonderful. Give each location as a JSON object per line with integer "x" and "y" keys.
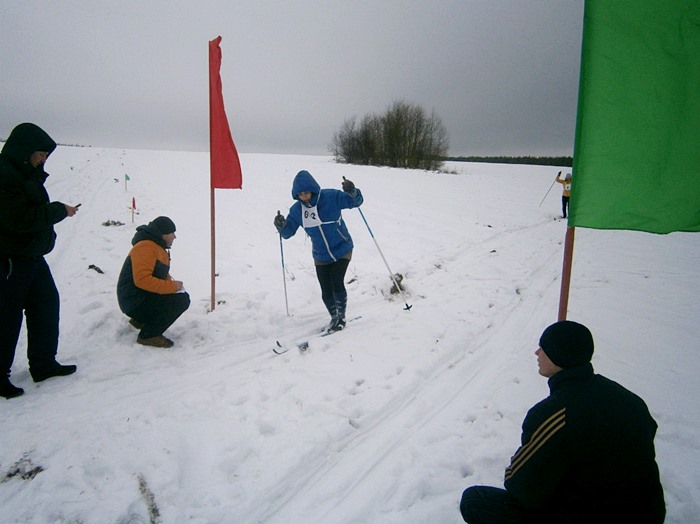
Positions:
{"x": 149, "y": 232}
{"x": 25, "y": 140}
{"x": 305, "y": 182}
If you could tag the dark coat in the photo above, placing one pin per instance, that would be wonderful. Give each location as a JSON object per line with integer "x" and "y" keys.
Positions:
{"x": 26, "y": 214}
{"x": 587, "y": 454}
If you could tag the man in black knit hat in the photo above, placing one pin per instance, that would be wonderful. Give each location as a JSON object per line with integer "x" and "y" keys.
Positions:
{"x": 587, "y": 451}
{"x": 146, "y": 292}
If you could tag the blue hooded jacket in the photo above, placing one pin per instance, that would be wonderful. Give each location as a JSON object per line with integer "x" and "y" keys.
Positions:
{"x": 329, "y": 235}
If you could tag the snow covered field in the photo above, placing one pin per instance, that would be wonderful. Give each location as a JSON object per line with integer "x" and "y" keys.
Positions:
{"x": 386, "y": 422}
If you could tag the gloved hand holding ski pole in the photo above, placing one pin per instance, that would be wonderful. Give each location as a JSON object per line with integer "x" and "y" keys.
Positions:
{"x": 279, "y": 221}
{"x": 348, "y": 186}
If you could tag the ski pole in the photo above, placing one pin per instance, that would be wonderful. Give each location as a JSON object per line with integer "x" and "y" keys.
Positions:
{"x": 284, "y": 279}
{"x": 550, "y": 188}
{"x": 391, "y": 274}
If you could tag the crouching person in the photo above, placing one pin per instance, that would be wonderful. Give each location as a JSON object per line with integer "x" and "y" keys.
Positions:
{"x": 147, "y": 294}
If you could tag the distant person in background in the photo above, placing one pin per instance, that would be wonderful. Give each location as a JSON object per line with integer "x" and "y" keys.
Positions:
{"x": 27, "y": 287}
{"x": 566, "y": 193}
{"x": 587, "y": 451}
{"x": 146, "y": 292}
{"x": 318, "y": 211}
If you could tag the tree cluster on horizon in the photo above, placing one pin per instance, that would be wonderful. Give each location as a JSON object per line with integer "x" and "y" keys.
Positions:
{"x": 404, "y": 136}
{"x": 564, "y": 161}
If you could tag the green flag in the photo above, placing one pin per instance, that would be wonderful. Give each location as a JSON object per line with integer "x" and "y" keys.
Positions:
{"x": 637, "y": 151}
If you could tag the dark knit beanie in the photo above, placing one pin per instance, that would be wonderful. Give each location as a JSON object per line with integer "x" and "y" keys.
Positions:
{"x": 164, "y": 225}
{"x": 567, "y": 344}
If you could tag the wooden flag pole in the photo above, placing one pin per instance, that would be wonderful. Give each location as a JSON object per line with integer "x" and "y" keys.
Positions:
{"x": 566, "y": 272}
{"x": 213, "y": 248}
{"x": 224, "y": 164}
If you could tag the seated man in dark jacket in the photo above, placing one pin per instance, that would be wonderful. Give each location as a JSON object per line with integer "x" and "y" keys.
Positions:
{"x": 587, "y": 451}
{"x": 146, "y": 292}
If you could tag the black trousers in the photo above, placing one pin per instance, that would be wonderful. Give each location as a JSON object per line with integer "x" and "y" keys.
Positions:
{"x": 489, "y": 505}
{"x": 27, "y": 289}
{"x": 332, "y": 280}
{"x": 159, "y": 312}
{"x": 564, "y": 205}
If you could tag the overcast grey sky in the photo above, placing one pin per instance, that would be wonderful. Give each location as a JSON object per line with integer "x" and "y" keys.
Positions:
{"x": 501, "y": 74}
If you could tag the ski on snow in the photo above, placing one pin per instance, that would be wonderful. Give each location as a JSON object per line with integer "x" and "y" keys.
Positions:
{"x": 280, "y": 348}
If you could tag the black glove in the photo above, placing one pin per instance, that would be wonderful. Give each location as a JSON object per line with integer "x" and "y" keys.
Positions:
{"x": 279, "y": 221}
{"x": 348, "y": 186}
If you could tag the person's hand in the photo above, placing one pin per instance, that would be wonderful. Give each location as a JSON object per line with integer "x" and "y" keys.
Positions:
{"x": 71, "y": 210}
{"x": 348, "y": 186}
{"x": 179, "y": 286}
{"x": 279, "y": 221}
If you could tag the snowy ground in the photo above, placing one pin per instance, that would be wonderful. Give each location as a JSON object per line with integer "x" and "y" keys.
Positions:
{"x": 386, "y": 422}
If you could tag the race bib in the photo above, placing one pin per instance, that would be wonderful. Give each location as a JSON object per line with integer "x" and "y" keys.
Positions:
{"x": 309, "y": 217}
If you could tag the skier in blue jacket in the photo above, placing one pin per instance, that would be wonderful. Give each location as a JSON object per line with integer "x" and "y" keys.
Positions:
{"x": 318, "y": 211}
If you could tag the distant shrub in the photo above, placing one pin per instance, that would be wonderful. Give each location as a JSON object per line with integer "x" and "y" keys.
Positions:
{"x": 405, "y": 136}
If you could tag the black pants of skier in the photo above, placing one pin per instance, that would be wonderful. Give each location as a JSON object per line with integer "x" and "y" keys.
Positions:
{"x": 564, "y": 206}
{"x": 27, "y": 289}
{"x": 159, "y": 312}
{"x": 489, "y": 505}
{"x": 332, "y": 280}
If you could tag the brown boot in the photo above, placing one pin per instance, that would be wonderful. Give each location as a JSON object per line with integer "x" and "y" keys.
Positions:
{"x": 157, "y": 342}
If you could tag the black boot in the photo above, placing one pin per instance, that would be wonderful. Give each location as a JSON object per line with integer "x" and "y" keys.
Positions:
{"x": 338, "y": 322}
{"x": 55, "y": 370}
{"x": 341, "y": 304}
{"x": 331, "y": 311}
{"x": 8, "y": 390}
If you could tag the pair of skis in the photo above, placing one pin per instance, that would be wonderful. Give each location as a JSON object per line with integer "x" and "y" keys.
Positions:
{"x": 302, "y": 345}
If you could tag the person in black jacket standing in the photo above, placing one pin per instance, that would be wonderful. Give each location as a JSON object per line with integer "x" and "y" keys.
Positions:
{"x": 587, "y": 451}
{"x": 27, "y": 287}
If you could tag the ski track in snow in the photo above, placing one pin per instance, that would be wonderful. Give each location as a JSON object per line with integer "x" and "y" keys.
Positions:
{"x": 387, "y": 421}
{"x": 414, "y": 407}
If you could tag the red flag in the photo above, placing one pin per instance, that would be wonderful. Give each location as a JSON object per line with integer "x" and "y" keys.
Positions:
{"x": 224, "y": 163}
